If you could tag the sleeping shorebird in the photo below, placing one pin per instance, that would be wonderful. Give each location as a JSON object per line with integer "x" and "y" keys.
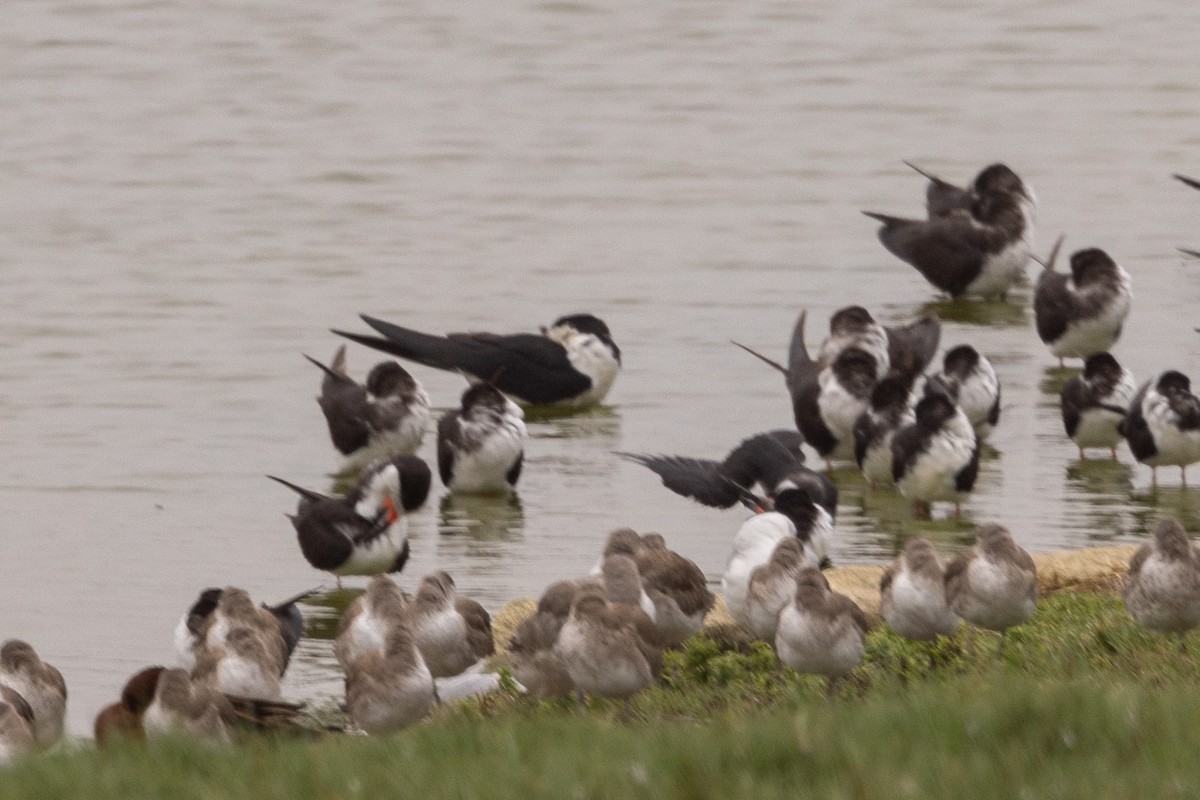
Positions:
{"x": 993, "y": 583}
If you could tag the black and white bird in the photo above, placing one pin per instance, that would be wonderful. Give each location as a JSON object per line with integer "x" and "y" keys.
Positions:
{"x": 827, "y": 399}
{"x": 912, "y": 594}
{"x": 797, "y": 514}
{"x": 385, "y": 417}
{"x": 766, "y": 460}
{"x": 891, "y": 409}
{"x": 993, "y": 583}
{"x": 970, "y": 380}
{"x": 481, "y": 446}
{"x": 942, "y": 197}
{"x": 364, "y": 532}
{"x": 1082, "y": 313}
{"x": 1162, "y": 587}
{"x": 975, "y": 243}
{"x": 1095, "y": 403}
{"x": 1162, "y": 425}
{"x": 572, "y": 363}
{"x": 937, "y": 457}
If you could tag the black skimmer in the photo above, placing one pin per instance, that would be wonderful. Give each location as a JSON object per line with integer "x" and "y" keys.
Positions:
{"x": 936, "y": 457}
{"x": 993, "y": 583}
{"x": 765, "y": 459}
{"x": 572, "y": 363}
{"x": 975, "y": 243}
{"x": 42, "y": 686}
{"x": 481, "y": 446}
{"x": 1162, "y": 587}
{"x": 821, "y": 632}
{"x": 385, "y": 417}
{"x": 1162, "y": 424}
{"x": 1082, "y": 313}
{"x": 365, "y": 532}
{"x": 1095, "y": 403}
{"x": 942, "y": 197}
{"x": 912, "y": 594}
{"x": 890, "y": 409}
{"x": 970, "y": 380}
{"x": 826, "y": 399}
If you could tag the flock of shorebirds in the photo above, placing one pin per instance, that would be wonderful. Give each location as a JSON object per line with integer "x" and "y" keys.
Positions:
{"x": 867, "y": 395}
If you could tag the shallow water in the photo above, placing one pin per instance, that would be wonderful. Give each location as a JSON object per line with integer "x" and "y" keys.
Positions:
{"x": 196, "y": 193}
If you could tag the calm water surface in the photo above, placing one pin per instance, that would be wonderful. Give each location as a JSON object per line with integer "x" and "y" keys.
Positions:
{"x": 195, "y": 193}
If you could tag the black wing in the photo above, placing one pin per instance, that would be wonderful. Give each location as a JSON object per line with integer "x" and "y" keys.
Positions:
{"x": 803, "y": 383}
{"x": 1135, "y": 430}
{"x": 696, "y": 478}
{"x": 525, "y": 365}
{"x": 906, "y": 444}
{"x": 942, "y": 197}
{"x": 912, "y": 347}
{"x": 346, "y": 407}
{"x": 449, "y": 442}
{"x": 1053, "y": 305}
{"x": 949, "y": 250}
{"x": 1077, "y": 396}
{"x": 325, "y": 532}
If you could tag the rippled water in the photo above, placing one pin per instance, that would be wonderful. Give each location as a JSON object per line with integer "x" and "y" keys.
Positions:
{"x": 195, "y": 193}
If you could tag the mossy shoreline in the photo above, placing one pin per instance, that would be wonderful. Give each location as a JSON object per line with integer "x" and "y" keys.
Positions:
{"x": 1082, "y": 703}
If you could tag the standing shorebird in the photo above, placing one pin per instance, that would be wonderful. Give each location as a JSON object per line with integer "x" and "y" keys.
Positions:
{"x": 1162, "y": 587}
{"x": 820, "y": 632}
{"x": 936, "y": 457}
{"x": 912, "y": 594}
{"x": 993, "y": 583}
{"x": 481, "y": 446}
{"x": 1081, "y": 314}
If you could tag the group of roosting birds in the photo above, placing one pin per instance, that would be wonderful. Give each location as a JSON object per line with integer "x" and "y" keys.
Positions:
{"x": 865, "y": 395}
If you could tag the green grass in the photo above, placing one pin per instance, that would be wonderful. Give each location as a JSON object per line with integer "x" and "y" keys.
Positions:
{"x": 1083, "y": 703}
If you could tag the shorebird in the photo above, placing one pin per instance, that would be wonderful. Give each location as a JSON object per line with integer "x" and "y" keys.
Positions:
{"x": 366, "y": 622}
{"x": 1095, "y": 403}
{"x": 41, "y": 685}
{"x": 1081, "y": 314}
{"x": 1162, "y": 587}
{"x": 392, "y": 689}
{"x": 675, "y": 585}
{"x": 385, "y": 417}
{"x": 608, "y": 649}
{"x": 16, "y": 726}
{"x": 452, "y": 631}
{"x": 1162, "y": 424}
{"x": 771, "y": 587}
{"x": 481, "y": 446}
{"x": 820, "y": 632}
{"x": 942, "y": 197}
{"x": 188, "y": 633}
{"x": 177, "y": 704}
{"x": 912, "y": 594}
{"x": 572, "y": 363}
{"x": 536, "y": 662}
{"x": 993, "y": 583}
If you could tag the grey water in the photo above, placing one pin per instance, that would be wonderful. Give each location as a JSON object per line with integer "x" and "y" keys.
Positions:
{"x": 194, "y": 193}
